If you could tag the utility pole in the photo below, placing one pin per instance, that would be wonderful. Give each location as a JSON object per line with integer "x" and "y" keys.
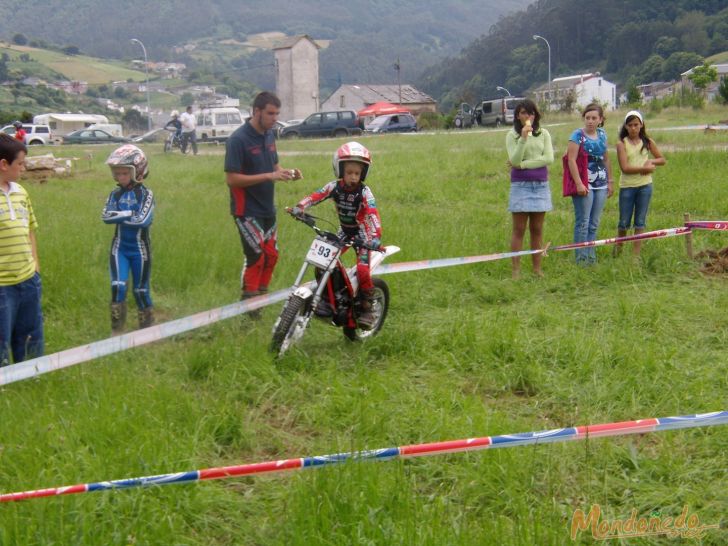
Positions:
{"x": 398, "y": 68}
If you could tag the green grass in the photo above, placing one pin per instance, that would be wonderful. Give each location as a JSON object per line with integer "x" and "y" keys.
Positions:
{"x": 465, "y": 352}
{"x": 73, "y": 67}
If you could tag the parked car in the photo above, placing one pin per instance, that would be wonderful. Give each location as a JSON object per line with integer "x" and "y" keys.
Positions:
{"x": 392, "y": 123}
{"x": 323, "y": 124}
{"x": 464, "y": 116}
{"x": 92, "y": 136}
{"x": 498, "y": 111}
{"x": 34, "y": 134}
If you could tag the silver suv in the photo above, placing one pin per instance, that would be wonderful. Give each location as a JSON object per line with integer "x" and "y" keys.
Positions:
{"x": 34, "y": 134}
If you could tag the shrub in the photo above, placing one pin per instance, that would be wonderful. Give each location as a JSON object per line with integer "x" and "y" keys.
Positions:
{"x": 431, "y": 120}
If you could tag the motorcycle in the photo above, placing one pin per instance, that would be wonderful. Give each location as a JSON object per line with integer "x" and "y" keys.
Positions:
{"x": 173, "y": 140}
{"x": 333, "y": 295}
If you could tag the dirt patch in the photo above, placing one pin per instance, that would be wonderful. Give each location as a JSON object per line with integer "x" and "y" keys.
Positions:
{"x": 715, "y": 262}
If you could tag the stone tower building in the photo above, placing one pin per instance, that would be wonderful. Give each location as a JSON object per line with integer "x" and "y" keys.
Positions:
{"x": 297, "y": 76}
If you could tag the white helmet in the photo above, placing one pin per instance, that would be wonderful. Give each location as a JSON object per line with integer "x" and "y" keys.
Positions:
{"x": 351, "y": 151}
{"x": 175, "y": 114}
{"x": 130, "y": 156}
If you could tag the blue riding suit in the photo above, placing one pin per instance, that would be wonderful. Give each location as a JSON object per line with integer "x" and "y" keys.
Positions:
{"x": 131, "y": 246}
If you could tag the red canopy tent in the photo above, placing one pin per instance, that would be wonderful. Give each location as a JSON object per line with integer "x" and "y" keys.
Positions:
{"x": 382, "y": 108}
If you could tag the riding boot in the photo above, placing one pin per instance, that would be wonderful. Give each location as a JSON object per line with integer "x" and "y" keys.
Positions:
{"x": 245, "y": 295}
{"x": 118, "y": 318}
{"x": 366, "y": 318}
{"x": 146, "y": 317}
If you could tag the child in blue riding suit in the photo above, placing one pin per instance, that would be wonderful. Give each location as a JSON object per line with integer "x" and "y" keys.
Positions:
{"x": 130, "y": 207}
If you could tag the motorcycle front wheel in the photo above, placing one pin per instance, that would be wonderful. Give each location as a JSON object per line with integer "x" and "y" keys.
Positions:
{"x": 290, "y": 325}
{"x": 380, "y": 306}
{"x": 167, "y": 145}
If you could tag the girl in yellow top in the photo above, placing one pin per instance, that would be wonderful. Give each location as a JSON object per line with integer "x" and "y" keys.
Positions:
{"x": 635, "y": 184}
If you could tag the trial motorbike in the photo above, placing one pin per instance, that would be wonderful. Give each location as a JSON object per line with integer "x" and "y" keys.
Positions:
{"x": 334, "y": 293}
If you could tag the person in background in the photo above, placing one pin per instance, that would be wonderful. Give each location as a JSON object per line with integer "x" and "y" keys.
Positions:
{"x": 529, "y": 153}
{"x": 175, "y": 123}
{"x": 635, "y": 183}
{"x": 21, "y": 317}
{"x": 130, "y": 208}
{"x": 189, "y": 130}
{"x": 19, "y": 131}
{"x": 251, "y": 171}
{"x": 592, "y": 194}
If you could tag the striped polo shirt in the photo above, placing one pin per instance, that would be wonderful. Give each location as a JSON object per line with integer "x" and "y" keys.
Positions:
{"x": 16, "y": 222}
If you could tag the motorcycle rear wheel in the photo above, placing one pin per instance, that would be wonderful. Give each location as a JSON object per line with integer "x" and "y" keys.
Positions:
{"x": 288, "y": 325}
{"x": 380, "y": 306}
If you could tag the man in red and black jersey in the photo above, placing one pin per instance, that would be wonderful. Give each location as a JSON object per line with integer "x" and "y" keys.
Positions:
{"x": 251, "y": 170}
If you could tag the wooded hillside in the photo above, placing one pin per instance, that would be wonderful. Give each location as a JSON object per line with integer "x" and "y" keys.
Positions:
{"x": 628, "y": 41}
{"x": 366, "y": 38}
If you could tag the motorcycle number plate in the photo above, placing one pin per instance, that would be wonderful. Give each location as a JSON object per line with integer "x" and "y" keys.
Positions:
{"x": 321, "y": 253}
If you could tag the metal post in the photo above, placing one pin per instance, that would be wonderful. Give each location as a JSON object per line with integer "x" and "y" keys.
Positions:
{"x": 146, "y": 77}
{"x": 537, "y": 37}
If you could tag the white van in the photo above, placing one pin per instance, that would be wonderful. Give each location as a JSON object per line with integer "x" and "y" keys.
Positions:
{"x": 217, "y": 123}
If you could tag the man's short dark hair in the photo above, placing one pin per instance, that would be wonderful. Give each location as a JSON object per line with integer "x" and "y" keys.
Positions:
{"x": 10, "y": 147}
{"x": 264, "y": 98}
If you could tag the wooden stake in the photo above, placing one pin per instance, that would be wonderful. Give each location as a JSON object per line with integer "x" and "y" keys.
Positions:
{"x": 688, "y": 238}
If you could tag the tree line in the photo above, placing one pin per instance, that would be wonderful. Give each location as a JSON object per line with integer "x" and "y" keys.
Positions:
{"x": 628, "y": 41}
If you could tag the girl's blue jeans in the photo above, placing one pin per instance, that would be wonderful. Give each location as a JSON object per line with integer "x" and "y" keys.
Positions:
{"x": 587, "y": 213}
{"x": 21, "y": 321}
{"x": 634, "y": 201}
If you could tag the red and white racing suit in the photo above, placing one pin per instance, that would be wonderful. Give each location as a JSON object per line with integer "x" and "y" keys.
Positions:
{"x": 358, "y": 216}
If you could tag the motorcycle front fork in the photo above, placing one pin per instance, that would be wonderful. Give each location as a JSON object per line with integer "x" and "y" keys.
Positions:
{"x": 322, "y": 282}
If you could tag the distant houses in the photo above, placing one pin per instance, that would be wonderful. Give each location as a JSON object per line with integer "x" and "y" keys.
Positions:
{"x": 165, "y": 70}
{"x": 579, "y": 88}
{"x": 712, "y": 90}
{"x": 655, "y": 90}
{"x": 357, "y": 97}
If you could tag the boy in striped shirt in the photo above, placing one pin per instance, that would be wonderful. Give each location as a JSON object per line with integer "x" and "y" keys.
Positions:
{"x": 21, "y": 318}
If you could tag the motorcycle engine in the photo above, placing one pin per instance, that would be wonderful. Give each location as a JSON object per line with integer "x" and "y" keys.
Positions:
{"x": 343, "y": 303}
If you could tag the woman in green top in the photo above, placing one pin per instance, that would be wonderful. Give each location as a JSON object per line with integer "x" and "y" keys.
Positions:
{"x": 529, "y": 152}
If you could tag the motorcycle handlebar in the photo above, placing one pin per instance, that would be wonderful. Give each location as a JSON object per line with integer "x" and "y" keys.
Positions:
{"x": 302, "y": 217}
{"x": 357, "y": 242}
{"x": 361, "y": 243}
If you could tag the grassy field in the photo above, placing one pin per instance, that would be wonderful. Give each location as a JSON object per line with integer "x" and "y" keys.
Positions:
{"x": 465, "y": 352}
{"x": 74, "y": 67}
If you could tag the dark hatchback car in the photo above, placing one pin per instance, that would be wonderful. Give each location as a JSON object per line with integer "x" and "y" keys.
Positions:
{"x": 92, "y": 136}
{"x": 392, "y": 123}
{"x": 324, "y": 124}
